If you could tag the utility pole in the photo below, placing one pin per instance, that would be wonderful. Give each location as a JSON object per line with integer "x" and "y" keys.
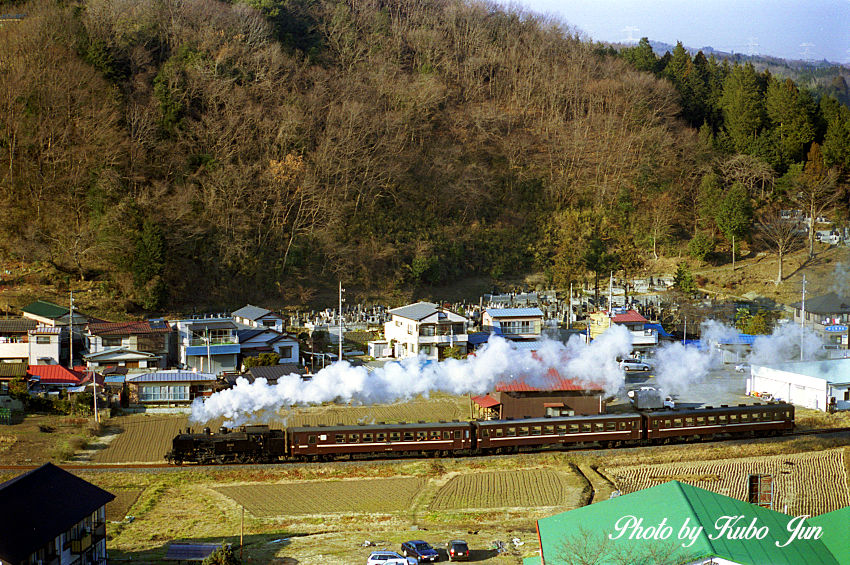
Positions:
{"x": 94, "y": 384}
{"x": 570, "y": 311}
{"x": 803, "y": 318}
{"x": 341, "y": 290}
{"x": 71, "y": 333}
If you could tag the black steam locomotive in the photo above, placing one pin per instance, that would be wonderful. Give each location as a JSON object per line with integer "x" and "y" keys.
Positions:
{"x": 261, "y": 444}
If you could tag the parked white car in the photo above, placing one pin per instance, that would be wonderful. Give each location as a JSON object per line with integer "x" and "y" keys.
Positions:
{"x": 388, "y": 558}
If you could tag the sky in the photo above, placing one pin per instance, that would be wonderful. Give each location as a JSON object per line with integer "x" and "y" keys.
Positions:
{"x": 790, "y": 29}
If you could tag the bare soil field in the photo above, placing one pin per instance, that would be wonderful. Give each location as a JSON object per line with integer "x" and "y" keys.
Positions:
{"x": 38, "y": 439}
{"x": 503, "y": 489}
{"x": 124, "y": 499}
{"x": 326, "y": 497}
{"x": 804, "y": 483}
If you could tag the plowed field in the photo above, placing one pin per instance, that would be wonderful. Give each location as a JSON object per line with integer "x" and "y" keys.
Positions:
{"x": 808, "y": 483}
{"x": 323, "y": 497}
{"x": 502, "y": 489}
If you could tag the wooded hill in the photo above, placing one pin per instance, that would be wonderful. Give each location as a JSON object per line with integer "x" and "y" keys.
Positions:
{"x": 202, "y": 152}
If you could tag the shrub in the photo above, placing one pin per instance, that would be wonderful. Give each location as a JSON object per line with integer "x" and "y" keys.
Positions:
{"x": 700, "y": 246}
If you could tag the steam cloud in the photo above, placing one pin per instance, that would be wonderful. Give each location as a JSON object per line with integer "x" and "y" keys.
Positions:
{"x": 497, "y": 361}
{"x": 677, "y": 367}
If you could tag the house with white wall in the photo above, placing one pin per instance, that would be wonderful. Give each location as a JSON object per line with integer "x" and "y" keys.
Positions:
{"x": 257, "y": 341}
{"x": 424, "y": 329}
{"x": 515, "y": 324}
{"x": 135, "y": 345}
{"x": 209, "y": 344}
{"x": 257, "y": 317}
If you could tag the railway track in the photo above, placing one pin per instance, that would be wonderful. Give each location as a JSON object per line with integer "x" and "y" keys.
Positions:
{"x": 158, "y": 467}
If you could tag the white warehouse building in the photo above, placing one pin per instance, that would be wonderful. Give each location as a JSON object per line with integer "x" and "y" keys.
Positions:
{"x": 811, "y": 384}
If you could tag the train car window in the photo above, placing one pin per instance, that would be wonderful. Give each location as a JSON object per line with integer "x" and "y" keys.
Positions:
{"x": 381, "y": 437}
{"x": 722, "y": 419}
{"x": 689, "y": 422}
{"x": 408, "y": 436}
{"x": 367, "y": 438}
{"x": 677, "y": 422}
{"x": 585, "y": 428}
{"x": 311, "y": 440}
{"x": 457, "y": 434}
{"x": 499, "y": 432}
{"x": 353, "y": 438}
{"x": 549, "y": 430}
{"x": 765, "y": 417}
{"x": 700, "y": 420}
{"x": 434, "y": 434}
{"x": 485, "y": 432}
{"x": 536, "y": 430}
{"x": 598, "y": 427}
{"x": 611, "y": 426}
{"x": 745, "y": 417}
{"x": 523, "y": 430}
{"x": 420, "y": 436}
{"x": 667, "y": 423}
{"x": 621, "y": 426}
{"x": 511, "y": 432}
{"x": 733, "y": 418}
{"x": 447, "y": 434}
{"x": 712, "y": 420}
{"x": 573, "y": 428}
{"x": 340, "y": 438}
{"x": 395, "y": 436}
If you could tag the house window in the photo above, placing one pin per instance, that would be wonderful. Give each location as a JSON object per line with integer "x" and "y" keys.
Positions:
{"x": 42, "y": 339}
{"x": 112, "y": 342}
{"x": 847, "y": 395}
{"x": 286, "y": 352}
{"x": 163, "y": 393}
{"x": 269, "y": 323}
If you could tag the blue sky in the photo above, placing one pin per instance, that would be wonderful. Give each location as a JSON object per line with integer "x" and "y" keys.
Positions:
{"x": 801, "y": 29}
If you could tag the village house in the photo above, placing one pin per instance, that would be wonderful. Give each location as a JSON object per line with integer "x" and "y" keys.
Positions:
{"x": 256, "y": 317}
{"x": 52, "y": 378}
{"x": 172, "y": 387}
{"x": 208, "y": 344}
{"x": 828, "y": 316}
{"x": 515, "y": 324}
{"x": 256, "y": 341}
{"x": 424, "y": 329}
{"x": 552, "y": 396}
{"x": 52, "y": 517}
{"x": 135, "y": 345}
{"x": 644, "y": 336}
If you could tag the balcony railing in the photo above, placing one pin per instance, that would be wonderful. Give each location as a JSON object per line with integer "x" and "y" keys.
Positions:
{"x": 443, "y": 338}
{"x": 194, "y": 342}
{"x": 82, "y": 544}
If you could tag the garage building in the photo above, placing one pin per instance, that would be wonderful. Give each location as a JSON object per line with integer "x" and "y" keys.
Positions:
{"x": 812, "y": 384}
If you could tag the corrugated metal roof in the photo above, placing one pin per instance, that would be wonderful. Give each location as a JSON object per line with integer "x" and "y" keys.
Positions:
{"x": 45, "y": 309}
{"x": 55, "y": 374}
{"x": 415, "y": 311}
{"x": 675, "y": 503}
{"x": 251, "y": 312}
{"x": 17, "y": 326}
{"x": 274, "y": 372}
{"x": 833, "y": 371}
{"x": 834, "y": 525}
{"x": 630, "y": 317}
{"x": 190, "y": 551}
{"x": 485, "y": 401}
{"x": 127, "y": 328}
{"x": 514, "y": 312}
{"x": 213, "y": 325}
{"x": 551, "y": 381}
{"x": 830, "y": 303}
{"x": 171, "y": 377}
{"x": 13, "y": 370}
{"x": 114, "y": 379}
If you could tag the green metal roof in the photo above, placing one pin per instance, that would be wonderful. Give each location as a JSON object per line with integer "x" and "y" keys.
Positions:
{"x": 531, "y": 561}
{"x": 835, "y": 529}
{"x": 676, "y": 504}
{"x": 45, "y": 309}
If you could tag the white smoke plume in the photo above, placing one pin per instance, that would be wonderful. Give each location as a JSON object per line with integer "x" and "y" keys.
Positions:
{"x": 840, "y": 278}
{"x": 499, "y": 360}
{"x": 678, "y": 366}
{"x": 784, "y": 345}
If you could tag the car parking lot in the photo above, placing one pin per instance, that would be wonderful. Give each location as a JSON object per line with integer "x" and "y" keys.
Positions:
{"x": 722, "y": 385}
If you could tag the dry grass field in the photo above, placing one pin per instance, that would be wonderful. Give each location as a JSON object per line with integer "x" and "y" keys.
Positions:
{"x": 502, "y": 489}
{"x": 326, "y": 497}
{"x": 124, "y": 500}
{"x": 805, "y": 483}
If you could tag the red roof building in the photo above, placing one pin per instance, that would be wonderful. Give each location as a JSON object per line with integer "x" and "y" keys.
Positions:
{"x": 553, "y": 395}
{"x": 629, "y": 317}
{"x": 127, "y": 328}
{"x": 55, "y": 375}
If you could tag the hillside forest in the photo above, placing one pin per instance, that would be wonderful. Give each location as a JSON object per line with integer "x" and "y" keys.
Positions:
{"x": 198, "y": 152}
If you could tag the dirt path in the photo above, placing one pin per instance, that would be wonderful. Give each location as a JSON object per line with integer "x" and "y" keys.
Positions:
{"x": 601, "y": 488}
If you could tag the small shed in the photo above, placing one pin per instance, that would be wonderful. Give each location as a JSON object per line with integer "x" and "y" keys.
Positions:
{"x": 553, "y": 395}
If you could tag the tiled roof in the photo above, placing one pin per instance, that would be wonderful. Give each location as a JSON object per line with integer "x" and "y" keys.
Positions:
{"x": 47, "y": 502}
{"x": 631, "y": 316}
{"x": 13, "y": 370}
{"x": 55, "y": 374}
{"x": 514, "y": 312}
{"x": 175, "y": 376}
{"x": 45, "y": 309}
{"x": 17, "y": 326}
{"x": 127, "y": 328}
{"x": 552, "y": 381}
{"x": 274, "y": 372}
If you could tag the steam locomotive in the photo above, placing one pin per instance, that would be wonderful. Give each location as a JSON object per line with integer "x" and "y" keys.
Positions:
{"x": 261, "y": 444}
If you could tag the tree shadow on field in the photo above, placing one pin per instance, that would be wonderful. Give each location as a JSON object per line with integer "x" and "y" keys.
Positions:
{"x": 257, "y": 549}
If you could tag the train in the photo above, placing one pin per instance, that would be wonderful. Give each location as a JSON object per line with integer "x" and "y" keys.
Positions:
{"x": 263, "y": 444}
